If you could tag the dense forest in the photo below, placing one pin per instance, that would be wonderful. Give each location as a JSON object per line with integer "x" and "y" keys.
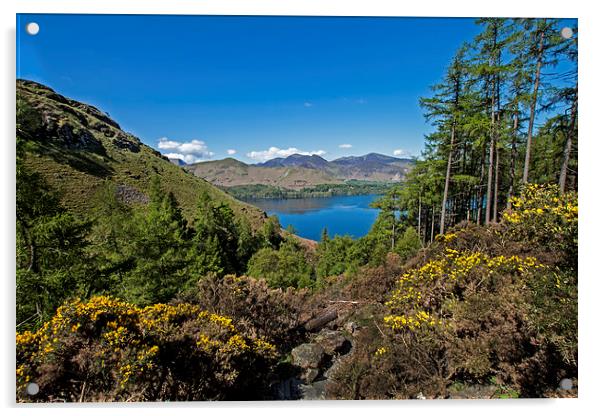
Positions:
{"x": 465, "y": 286}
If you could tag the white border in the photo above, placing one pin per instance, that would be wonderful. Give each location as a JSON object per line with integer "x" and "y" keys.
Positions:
{"x": 589, "y": 155}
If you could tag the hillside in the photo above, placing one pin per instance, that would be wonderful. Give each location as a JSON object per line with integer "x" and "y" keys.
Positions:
{"x": 302, "y": 171}
{"x": 230, "y": 172}
{"x": 76, "y": 148}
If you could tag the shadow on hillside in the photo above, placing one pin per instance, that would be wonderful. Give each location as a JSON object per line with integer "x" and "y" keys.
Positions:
{"x": 80, "y": 161}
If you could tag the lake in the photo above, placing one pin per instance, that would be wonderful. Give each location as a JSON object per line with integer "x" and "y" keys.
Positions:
{"x": 341, "y": 215}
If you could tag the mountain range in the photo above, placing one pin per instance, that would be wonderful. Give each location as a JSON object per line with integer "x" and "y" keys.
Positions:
{"x": 300, "y": 171}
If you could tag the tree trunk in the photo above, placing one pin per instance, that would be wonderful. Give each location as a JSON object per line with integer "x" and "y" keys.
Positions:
{"x": 496, "y": 184}
{"x": 533, "y": 106}
{"x": 447, "y": 178}
{"x": 419, "y": 217}
{"x": 480, "y": 190}
{"x": 393, "y": 234}
{"x": 491, "y": 160}
{"x": 432, "y": 224}
{"x": 513, "y": 154}
{"x": 568, "y": 146}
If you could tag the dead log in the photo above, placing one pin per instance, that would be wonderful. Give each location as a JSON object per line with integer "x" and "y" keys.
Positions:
{"x": 321, "y": 320}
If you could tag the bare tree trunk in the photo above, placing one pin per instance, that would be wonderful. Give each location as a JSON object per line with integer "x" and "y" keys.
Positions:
{"x": 491, "y": 160}
{"x": 480, "y": 190}
{"x": 447, "y": 178}
{"x": 568, "y": 146}
{"x": 513, "y": 154}
{"x": 393, "y": 234}
{"x": 419, "y": 217}
{"x": 432, "y": 224}
{"x": 489, "y": 181}
{"x": 496, "y": 184}
{"x": 533, "y": 106}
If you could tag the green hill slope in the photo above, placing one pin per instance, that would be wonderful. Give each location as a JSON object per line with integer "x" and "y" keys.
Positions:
{"x": 76, "y": 148}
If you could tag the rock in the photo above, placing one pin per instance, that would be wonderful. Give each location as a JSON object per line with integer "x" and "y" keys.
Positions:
{"x": 124, "y": 142}
{"x": 475, "y": 391}
{"x": 129, "y": 195}
{"x": 311, "y": 374}
{"x": 314, "y": 391}
{"x": 334, "y": 367}
{"x": 351, "y": 327}
{"x": 332, "y": 341}
{"x": 308, "y": 355}
{"x": 78, "y": 139}
{"x": 420, "y": 396}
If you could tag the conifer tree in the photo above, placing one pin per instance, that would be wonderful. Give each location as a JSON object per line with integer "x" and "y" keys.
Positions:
{"x": 445, "y": 109}
{"x": 542, "y": 39}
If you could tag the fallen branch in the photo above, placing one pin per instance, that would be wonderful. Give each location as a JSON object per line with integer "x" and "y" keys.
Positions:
{"x": 353, "y": 302}
{"x": 321, "y": 320}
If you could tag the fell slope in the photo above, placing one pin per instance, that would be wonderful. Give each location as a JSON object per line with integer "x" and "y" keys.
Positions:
{"x": 76, "y": 148}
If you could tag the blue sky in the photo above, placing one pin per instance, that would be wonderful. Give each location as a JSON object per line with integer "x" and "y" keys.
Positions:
{"x": 208, "y": 87}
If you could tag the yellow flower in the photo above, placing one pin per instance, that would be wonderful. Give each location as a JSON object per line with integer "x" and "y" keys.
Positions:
{"x": 380, "y": 351}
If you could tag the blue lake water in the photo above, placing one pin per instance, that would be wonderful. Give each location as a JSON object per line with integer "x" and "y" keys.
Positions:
{"x": 341, "y": 215}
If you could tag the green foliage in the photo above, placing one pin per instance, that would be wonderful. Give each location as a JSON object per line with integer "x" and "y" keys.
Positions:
{"x": 548, "y": 151}
{"x": 335, "y": 256}
{"x": 408, "y": 245}
{"x": 553, "y": 311}
{"x": 159, "y": 246}
{"x": 484, "y": 112}
{"x": 270, "y": 233}
{"x": 285, "y": 267}
{"x": 52, "y": 263}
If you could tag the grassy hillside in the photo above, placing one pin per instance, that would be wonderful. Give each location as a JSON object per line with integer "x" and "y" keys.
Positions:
{"x": 77, "y": 147}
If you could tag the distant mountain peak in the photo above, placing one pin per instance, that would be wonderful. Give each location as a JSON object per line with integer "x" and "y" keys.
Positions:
{"x": 297, "y": 160}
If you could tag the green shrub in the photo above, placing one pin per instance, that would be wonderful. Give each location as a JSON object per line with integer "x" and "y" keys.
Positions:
{"x": 408, "y": 245}
{"x": 285, "y": 267}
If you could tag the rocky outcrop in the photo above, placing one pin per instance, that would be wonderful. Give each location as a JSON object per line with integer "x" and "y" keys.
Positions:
{"x": 316, "y": 362}
{"x": 307, "y": 356}
{"x": 130, "y": 195}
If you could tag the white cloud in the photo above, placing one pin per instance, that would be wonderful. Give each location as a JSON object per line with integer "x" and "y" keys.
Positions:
{"x": 307, "y": 104}
{"x": 273, "y": 152}
{"x": 231, "y": 151}
{"x": 190, "y": 152}
{"x": 345, "y": 146}
{"x": 401, "y": 152}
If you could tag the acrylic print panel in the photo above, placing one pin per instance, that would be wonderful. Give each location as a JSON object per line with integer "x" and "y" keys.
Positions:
{"x": 295, "y": 208}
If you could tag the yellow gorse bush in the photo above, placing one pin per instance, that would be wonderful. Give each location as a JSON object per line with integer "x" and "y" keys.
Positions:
{"x": 446, "y": 238}
{"x": 543, "y": 217}
{"x": 417, "y": 299}
{"x": 130, "y": 337}
{"x": 537, "y": 202}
